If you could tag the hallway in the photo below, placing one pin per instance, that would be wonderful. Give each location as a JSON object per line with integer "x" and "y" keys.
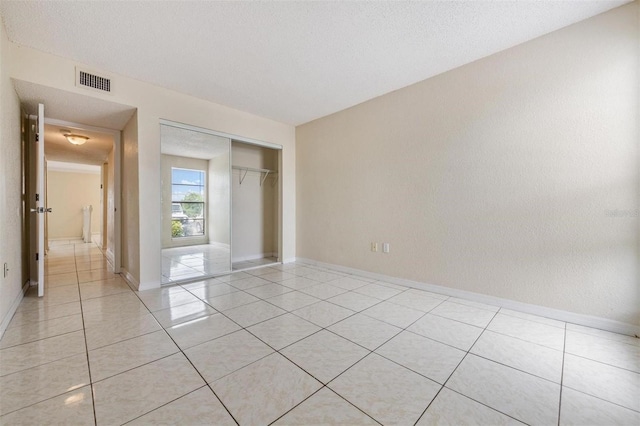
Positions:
{"x": 297, "y": 344}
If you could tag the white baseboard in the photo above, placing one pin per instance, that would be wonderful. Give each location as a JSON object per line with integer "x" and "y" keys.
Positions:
{"x": 12, "y": 310}
{"x": 543, "y": 311}
{"x": 135, "y": 284}
{"x": 148, "y": 286}
{"x": 253, "y": 257}
{"x": 132, "y": 281}
{"x": 220, "y": 245}
{"x": 110, "y": 256}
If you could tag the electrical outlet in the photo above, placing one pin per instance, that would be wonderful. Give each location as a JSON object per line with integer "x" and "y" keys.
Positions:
{"x": 385, "y": 247}
{"x": 374, "y": 246}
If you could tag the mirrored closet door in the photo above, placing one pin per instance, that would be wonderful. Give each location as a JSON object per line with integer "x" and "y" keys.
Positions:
{"x": 196, "y": 203}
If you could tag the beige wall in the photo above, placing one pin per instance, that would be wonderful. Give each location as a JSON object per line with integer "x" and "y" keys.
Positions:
{"x": 130, "y": 225}
{"x": 498, "y": 177}
{"x": 110, "y": 221}
{"x": 219, "y": 192}
{"x": 67, "y": 194}
{"x": 154, "y": 103}
{"x": 12, "y": 244}
{"x": 254, "y": 207}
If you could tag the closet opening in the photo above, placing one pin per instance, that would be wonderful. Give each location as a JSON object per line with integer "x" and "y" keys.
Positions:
{"x": 221, "y": 203}
{"x": 255, "y": 205}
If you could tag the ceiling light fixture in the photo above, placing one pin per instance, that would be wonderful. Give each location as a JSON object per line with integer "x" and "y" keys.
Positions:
{"x": 76, "y": 139}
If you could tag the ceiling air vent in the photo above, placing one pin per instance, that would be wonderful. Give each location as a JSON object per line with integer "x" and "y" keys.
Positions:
{"x": 91, "y": 80}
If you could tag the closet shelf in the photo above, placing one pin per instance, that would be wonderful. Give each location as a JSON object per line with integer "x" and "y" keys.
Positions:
{"x": 264, "y": 173}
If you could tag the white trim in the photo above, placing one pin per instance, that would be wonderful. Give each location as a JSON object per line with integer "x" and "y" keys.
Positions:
{"x": 149, "y": 286}
{"x": 543, "y": 311}
{"x": 12, "y": 310}
{"x": 221, "y": 134}
{"x": 130, "y": 279}
{"x": 135, "y": 284}
{"x": 254, "y": 257}
{"x": 110, "y": 257}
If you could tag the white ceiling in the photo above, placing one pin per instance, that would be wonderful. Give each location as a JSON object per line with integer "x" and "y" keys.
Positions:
{"x": 290, "y": 61}
{"x": 57, "y": 148}
{"x": 76, "y": 108}
{"x": 68, "y": 106}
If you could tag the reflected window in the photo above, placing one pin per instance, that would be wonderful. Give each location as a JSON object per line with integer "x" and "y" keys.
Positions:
{"x": 187, "y": 202}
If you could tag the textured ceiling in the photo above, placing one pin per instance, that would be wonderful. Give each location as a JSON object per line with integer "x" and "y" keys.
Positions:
{"x": 192, "y": 144}
{"x": 58, "y": 148}
{"x": 290, "y": 61}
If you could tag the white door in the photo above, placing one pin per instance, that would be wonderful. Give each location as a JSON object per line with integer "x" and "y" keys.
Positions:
{"x": 41, "y": 208}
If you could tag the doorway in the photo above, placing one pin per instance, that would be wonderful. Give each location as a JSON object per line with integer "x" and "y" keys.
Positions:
{"x": 83, "y": 186}
{"x": 81, "y": 114}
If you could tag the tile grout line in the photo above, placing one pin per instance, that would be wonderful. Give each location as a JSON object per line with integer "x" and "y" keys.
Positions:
{"x": 373, "y": 352}
{"x": 44, "y": 338}
{"x": 602, "y": 363}
{"x": 524, "y": 340}
{"x": 323, "y": 328}
{"x": 165, "y": 404}
{"x": 379, "y": 346}
{"x": 57, "y": 395}
{"x": 84, "y": 331}
{"x": 454, "y": 370}
{"x": 278, "y": 351}
{"x": 326, "y": 328}
{"x": 45, "y": 363}
{"x": 298, "y": 404}
{"x": 324, "y": 386}
{"x": 363, "y": 312}
{"x": 564, "y": 349}
{"x": 181, "y": 351}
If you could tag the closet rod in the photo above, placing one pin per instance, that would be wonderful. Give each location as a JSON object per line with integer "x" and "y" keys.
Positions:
{"x": 266, "y": 172}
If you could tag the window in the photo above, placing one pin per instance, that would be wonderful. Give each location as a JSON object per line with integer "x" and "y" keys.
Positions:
{"x": 187, "y": 202}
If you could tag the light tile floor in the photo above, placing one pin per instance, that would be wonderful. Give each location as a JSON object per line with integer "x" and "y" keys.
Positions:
{"x": 296, "y": 344}
{"x": 181, "y": 264}
{"x": 192, "y": 262}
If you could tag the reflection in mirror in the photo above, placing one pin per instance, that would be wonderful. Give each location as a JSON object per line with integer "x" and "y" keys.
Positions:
{"x": 196, "y": 204}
